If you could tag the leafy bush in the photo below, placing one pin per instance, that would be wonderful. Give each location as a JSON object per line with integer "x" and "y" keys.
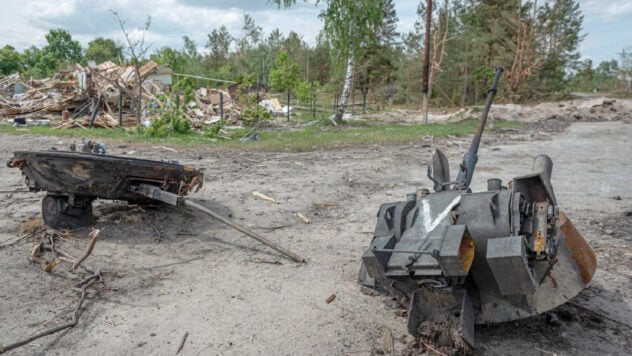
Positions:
{"x": 173, "y": 117}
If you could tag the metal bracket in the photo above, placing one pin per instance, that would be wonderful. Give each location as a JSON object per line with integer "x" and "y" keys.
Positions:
{"x": 155, "y": 193}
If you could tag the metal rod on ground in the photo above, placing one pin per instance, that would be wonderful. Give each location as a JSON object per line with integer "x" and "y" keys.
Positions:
{"x": 263, "y": 240}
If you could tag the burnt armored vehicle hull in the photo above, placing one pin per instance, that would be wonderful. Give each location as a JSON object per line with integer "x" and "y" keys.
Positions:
{"x": 73, "y": 180}
{"x": 458, "y": 258}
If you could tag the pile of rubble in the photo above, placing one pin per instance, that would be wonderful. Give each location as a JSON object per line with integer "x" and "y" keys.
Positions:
{"x": 104, "y": 95}
{"x": 36, "y": 98}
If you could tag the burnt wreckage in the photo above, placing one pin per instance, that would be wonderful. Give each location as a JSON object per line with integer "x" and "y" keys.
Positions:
{"x": 459, "y": 258}
{"x": 74, "y": 179}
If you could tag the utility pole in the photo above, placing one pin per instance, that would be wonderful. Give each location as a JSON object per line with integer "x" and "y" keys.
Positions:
{"x": 426, "y": 68}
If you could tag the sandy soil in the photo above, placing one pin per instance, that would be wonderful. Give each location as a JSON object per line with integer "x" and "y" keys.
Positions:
{"x": 168, "y": 272}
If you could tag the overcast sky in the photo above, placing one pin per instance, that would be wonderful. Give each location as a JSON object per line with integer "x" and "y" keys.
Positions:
{"x": 607, "y": 23}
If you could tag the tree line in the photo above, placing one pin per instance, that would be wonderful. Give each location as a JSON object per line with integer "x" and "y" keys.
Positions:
{"x": 359, "y": 52}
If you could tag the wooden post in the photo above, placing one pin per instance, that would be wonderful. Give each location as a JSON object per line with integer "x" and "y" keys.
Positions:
{"x": 426, "y": 67}
{"x": 120, "y": 109}
{"x": 313, "y": 102}
{"x": 95, "y": 111}
{"x": 221, "y": 105}
{"x": 288, "y": 105}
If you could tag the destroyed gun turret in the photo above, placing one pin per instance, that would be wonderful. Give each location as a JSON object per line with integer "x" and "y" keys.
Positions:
{"x": 74, "y": 179}
{"x": 458, "y": 258}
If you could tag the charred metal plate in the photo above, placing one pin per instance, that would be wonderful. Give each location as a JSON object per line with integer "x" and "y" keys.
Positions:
{"x": 101, "y": 176}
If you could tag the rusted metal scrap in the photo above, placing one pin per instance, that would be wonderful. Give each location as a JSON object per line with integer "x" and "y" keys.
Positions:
{"x": 458, "y": 258}
{"x": 74, "y": 179}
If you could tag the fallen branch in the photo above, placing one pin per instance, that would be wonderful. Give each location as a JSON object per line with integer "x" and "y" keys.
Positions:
{"x": 265, "y": 197}
{"x": 304, "y": 218}
{"x": 20, "y": 238}
{"x": 166, "y": 148}
{"x": 272, "y": 228}
{"x": 184, "y": 339}
{"x": 259, "y": 260}
{"x": 83, "y": 285}
{"x": 433, "y": 349}
{"x": 324, "y": 204}
{"x": 388, "y": 344}
{"x": 94, "y": 234}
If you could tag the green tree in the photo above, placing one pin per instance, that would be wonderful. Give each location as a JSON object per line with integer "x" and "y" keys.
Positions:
{"x": 559, "y": 37}
{"x": 605, "y": 76}
{"x": 347, "y": 26}
{"x": 625, "y": 68}
{"x": 10, "y": 60}
{"x": 284, "y": 76}
{"x": 377, "y": 66}
{"x": 584, "y": 78}
{"x": 37, "y": 63}
{"x": 171, "y": 58}
{"x": 218, "y": 44}
{"x": 252, "y": 57}
{"x": 104, "y": 49}
{"x": 193, "y": 57}
{"x": 62, "y": 48}
{"x": 250, "y": 34}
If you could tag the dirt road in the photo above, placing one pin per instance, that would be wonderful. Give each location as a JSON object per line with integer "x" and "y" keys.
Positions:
{"x": 168, "y": 272}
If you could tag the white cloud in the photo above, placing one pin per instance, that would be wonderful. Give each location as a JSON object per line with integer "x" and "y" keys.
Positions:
{"x": 50, "y": 9}
{"x": 600, "y": 11}
{"x": 24, "y": 23}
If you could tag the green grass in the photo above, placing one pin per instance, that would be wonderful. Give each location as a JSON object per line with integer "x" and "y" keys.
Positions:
{"x": 303, "y": 139}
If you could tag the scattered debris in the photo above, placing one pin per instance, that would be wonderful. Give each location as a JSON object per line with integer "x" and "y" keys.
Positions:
{"x": 324, "y": 204}
{"x": 330, "y": 299}
{"x": 369, "y": 291}
{"x": 47, "y": 243}
{"x": 386, "y": 340}
{"x": 259, "y": 260}
{"x": 401, "y": 312}
{"x": 303, "y": 218}
{"x": 29, "y": 226}
{"x": 103, "y": 96}
{"x": 11, "y": 243}
{"x": 166, "y": 148}
{"x": 94, "y": 236}
{"x": 265, "y": 197}
{"x": 184, "y": 339}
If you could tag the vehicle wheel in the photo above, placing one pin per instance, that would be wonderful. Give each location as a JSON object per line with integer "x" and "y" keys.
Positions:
{"x": 59, "y": 214}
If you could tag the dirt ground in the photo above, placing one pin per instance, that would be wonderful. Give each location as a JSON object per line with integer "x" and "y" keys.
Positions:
{"x": 169, "y": 272}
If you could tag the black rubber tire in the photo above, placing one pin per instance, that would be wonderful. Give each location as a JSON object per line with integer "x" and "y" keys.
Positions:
{"x": 60, "y": 215}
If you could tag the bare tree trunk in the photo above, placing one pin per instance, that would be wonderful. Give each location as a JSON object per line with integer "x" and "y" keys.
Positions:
{"x": 139, "y": 82}
{"x": 465, "y": 77}
{"x": 345, "y": 91}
